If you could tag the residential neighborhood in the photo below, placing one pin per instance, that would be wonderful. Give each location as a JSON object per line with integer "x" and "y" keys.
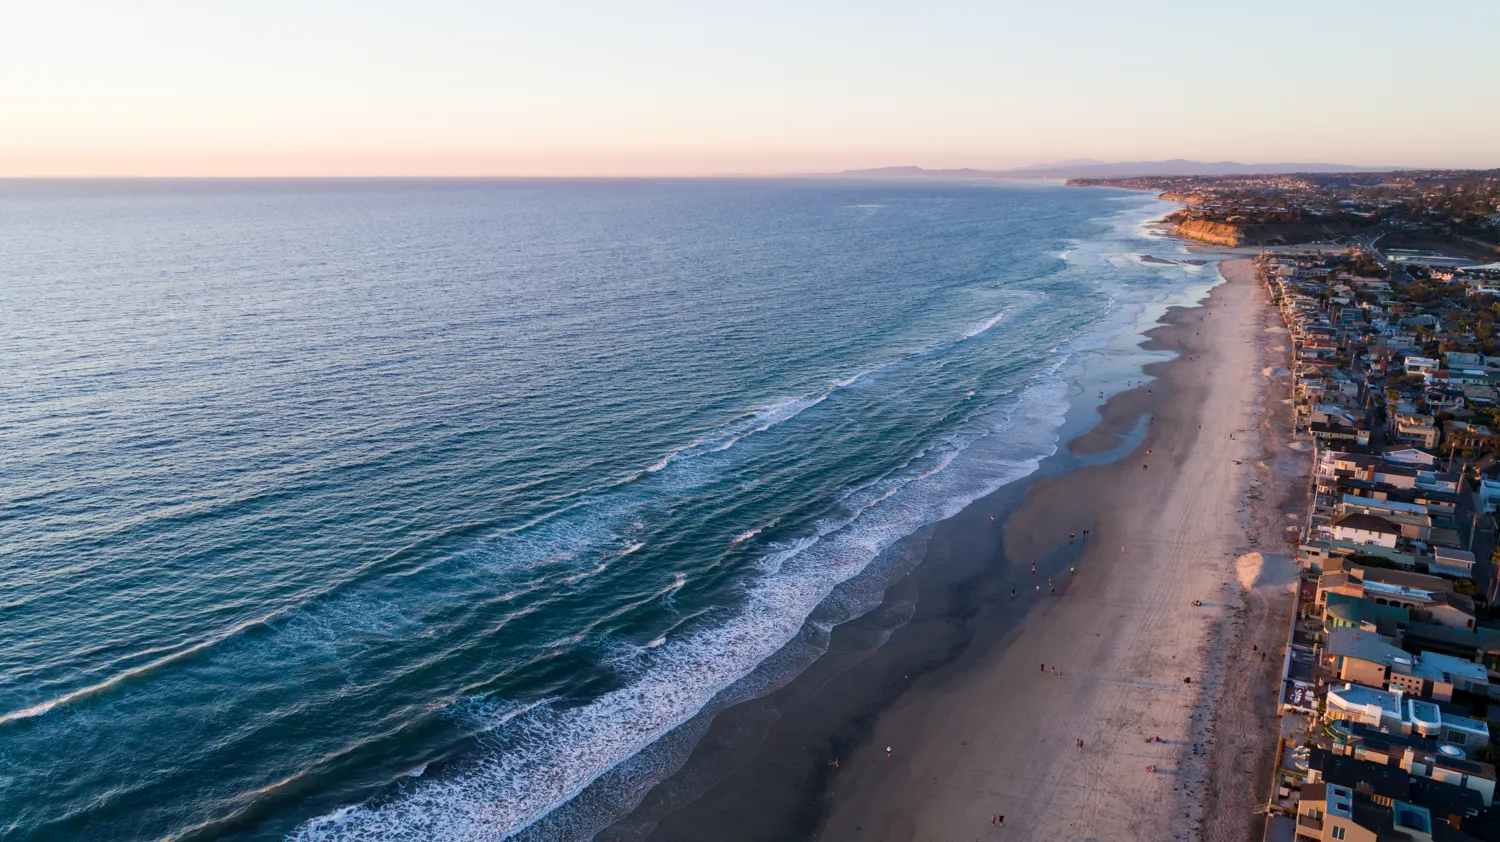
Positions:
{"x": 1391, "y": 674}
{"x": 1438, "y": 219}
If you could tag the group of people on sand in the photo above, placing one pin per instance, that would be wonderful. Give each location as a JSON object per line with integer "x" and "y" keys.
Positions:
{"x": 1051, "y": 586}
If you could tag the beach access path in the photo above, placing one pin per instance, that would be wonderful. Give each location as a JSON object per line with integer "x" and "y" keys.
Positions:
{"x": 995, "y": 733}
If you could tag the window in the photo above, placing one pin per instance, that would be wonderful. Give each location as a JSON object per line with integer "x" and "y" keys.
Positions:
{"x": 1337, "y": 832}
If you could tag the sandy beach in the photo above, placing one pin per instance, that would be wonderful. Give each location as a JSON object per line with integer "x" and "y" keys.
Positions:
{"x": 1186, "y": 498}
{"x": 1173, "y": 522}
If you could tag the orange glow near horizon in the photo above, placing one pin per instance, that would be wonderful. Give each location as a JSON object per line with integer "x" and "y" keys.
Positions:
{"x": 589, "y": 87}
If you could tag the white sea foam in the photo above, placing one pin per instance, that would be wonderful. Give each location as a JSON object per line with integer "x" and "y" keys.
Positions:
{"x": 731, "y": 434}
{"x": 586, "y": 574}
{"x": 765, "y": 418}
{"x": 116, "y": 680}
{"x": 784, "y": 410}
{"x": 549, "y": 755}
{"x": 541, "y": 758}
{"x": 747, "y": 535}
{"x": 984, "y": 325}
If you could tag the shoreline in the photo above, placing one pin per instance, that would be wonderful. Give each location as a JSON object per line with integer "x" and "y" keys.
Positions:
{"x": 995, "y": 736}
{"x": 764, "y": 769}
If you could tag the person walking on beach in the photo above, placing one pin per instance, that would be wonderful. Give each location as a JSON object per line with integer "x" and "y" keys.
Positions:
{"x": 1033, "y": 567}
{"x": 1012, "y": 593}
{"x": 887, "y": 751}
{"x": 1044, "y": 667}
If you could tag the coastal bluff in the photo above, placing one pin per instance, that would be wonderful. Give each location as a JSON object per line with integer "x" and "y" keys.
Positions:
{"x": 1218, "y": 233}
{"x": 1234, "y": 232}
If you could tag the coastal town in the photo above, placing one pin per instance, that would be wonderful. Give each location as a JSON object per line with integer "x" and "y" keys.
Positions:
{"x": 1449, "y": 217}
{"x": 1390, "y": 682}
{"x": 1388, "y": 288}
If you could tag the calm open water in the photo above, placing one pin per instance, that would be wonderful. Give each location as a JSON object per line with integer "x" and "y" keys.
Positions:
{"x": 393, "y": 510}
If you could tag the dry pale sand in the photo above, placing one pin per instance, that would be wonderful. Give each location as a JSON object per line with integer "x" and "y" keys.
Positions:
{"x": 996, "y": 733}
{"x": 1237, "y": 716}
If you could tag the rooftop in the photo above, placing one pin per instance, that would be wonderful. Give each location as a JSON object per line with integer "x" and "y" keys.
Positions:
{"x": 1366, "y": 646}
{"x": 1439, "y": 667}
{"x": 1419, "y": 581}
{"x": 1399, "y": 590}
{"x": 1357, "y": 696}
{"x": 1366, "y": 523}
{"x": 1356, "y": 611}
{"x": 1452, "y": 555}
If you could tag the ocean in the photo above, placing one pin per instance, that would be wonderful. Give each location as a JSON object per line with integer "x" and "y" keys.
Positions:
{"x": 394, "y": 510}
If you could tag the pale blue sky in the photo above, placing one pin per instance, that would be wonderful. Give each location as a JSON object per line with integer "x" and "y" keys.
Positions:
{"x": 651, "y": 87}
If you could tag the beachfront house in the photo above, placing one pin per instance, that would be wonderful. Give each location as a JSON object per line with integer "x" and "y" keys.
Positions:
{"x": 1430, "y": 599}
{"x": 1365, "y": 529}
{"x": 1360, "y": 656}
{"x": 1371, "y": 774}
{"x": 1411, "y": 520}
{"x": 1397, "y": 713}
{"x": 1327, "y": 812}
{"x": 1351, "y": 612}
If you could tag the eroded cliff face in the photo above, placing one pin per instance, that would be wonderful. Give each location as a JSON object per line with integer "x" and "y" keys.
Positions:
{"x": 1242, "y": 234}
{"x": 1218, "y": 233}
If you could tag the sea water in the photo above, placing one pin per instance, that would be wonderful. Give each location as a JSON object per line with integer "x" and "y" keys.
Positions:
{"x": 391, "y": 510}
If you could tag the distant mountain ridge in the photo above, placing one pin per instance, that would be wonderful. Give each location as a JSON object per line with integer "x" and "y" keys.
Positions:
{"x": 1120, "y": 169}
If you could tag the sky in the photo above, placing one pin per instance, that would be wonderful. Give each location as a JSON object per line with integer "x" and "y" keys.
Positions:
{"x": 651, "y": 87}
